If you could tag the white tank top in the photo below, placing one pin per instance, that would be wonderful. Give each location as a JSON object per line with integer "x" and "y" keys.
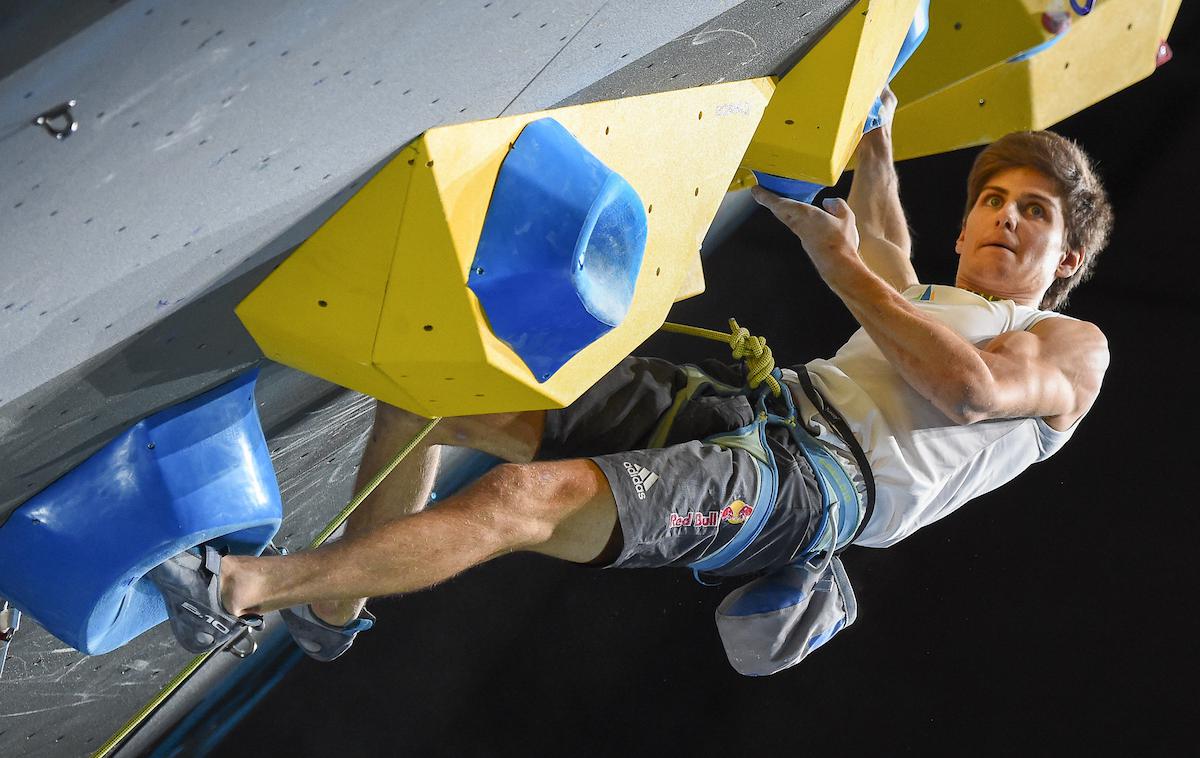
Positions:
{"x": 925, "y": 465}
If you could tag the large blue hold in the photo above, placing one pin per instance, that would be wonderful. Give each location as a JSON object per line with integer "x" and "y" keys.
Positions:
{"x": 74, "y": 556}
{"x": 560, "y": 250}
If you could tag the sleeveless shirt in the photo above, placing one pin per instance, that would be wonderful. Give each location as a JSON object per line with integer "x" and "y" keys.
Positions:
{"x": 925, "y": 465}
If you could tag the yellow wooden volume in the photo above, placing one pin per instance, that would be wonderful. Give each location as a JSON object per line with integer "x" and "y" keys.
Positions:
{"x": 815, "y": 120}
{"x": 1114, "y": 46}
{"x": 376, "y": 300}
{"x": 968, "y": 36}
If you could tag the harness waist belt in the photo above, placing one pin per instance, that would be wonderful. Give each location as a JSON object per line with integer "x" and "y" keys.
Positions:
{"x": 839, "y": 495}
{"x": 835, "y": 421}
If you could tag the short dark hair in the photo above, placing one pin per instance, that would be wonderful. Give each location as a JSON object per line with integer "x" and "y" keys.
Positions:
{"x": 1088, "y": 216}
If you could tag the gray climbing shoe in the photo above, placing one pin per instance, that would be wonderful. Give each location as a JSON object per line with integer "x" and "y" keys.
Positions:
{"x": 321, "y": 640}
{"x": 318, "y": 639}
{"x": 189, "y": 582}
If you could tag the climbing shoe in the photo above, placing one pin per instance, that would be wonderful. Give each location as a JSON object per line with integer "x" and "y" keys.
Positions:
{"x": 189, "y": 582}
{"x": 318, "y": 639}
{"x": 321, "y": 640}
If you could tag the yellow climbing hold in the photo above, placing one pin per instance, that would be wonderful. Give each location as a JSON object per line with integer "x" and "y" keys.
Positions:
{"x": 815, "y": 120}
{"x": 1114, "y": 46}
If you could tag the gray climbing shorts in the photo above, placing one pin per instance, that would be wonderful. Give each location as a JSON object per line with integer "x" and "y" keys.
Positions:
{"x": 684, "y": 501}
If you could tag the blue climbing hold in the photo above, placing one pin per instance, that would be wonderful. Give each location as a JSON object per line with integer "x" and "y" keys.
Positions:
{"x": 913, "y": 39}
{"x": 75, "y": 555}
{"x": 793, "y": 189}
{"x": 560, "y": 250}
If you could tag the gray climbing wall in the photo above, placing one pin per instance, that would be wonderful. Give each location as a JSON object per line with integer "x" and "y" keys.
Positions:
{"x": 212, "y": 139}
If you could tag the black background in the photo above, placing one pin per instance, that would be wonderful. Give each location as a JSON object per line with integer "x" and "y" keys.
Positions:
{"x": 1053, "y": 615}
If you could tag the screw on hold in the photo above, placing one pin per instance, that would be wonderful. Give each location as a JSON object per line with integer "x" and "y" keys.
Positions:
{"x": 1056, "y": 22}
{"x": 61, "y": 113}
{"x": 479, "y": 271}
{"x": 150, "y": 446}
{"x": 1164, "y": 54}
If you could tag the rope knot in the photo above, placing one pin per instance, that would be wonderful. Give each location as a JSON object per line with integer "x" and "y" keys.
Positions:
{"x": 760, "y": 362}
{"x": 751, "y": 350}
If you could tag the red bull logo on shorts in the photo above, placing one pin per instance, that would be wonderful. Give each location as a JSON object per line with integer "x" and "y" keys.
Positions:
{"x": 735, "y": 513}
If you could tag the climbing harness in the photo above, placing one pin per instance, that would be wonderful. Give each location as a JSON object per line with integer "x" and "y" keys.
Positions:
{"x": 777, "y": 619}
{"x": 842, "y": 514}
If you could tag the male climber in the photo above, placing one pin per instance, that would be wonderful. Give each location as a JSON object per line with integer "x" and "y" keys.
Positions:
{"x": 948, "y": 392}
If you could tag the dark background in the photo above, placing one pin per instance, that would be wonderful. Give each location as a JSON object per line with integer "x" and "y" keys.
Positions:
{"x": 1054, "y": 615}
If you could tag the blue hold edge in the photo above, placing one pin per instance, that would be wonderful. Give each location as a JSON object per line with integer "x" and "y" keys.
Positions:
{"x": 74, "y": 556}
{"x": 560, "y": 250}
{"x": 793, "y": 189}
{"x": 912, "y": 40}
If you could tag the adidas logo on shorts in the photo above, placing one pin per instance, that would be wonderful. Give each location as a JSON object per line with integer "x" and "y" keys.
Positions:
{"x": 643, "y": 478}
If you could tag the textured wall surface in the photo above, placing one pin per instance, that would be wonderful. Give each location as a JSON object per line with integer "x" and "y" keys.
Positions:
{"x": 212, "y": 139}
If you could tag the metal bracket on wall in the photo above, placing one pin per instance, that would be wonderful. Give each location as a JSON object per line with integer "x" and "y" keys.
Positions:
{"x": 62, "y": 113}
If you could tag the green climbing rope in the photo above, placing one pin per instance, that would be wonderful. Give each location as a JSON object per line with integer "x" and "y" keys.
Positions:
{"x": 745, "y": 346}
{"x": 376, "y": 480}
